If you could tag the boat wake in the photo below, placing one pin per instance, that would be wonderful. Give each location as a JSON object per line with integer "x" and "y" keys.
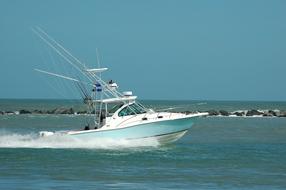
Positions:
{"x": 14, "y": 140}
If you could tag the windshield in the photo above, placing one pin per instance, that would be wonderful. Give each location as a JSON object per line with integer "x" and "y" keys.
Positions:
{"x": 131, "y": 110}
{"x": 114, "y": 108}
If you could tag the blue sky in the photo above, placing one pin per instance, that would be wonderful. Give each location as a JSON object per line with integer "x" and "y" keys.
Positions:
{"x": 163, "y": 49}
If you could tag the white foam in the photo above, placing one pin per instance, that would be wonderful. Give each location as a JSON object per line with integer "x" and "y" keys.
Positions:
{"x": 14, "y": 140}
{"x": 232, "y": 115}
{"x": 201, "y": 103}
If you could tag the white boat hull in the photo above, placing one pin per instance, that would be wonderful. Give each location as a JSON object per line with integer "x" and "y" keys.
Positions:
{"x": 165, "y": 131}
{"x": 169, "y": 138}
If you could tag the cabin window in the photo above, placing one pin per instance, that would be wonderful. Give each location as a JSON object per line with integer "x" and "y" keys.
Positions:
{"x": 115, "y": 108}
{"x": 125, "y": 111}
{"x": 137, "y": 109}
{"x": 131, "y": 110}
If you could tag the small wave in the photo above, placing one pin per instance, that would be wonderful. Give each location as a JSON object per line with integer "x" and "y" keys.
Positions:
{"x": 14, "y": 140}
{"x": 201, "y": 103}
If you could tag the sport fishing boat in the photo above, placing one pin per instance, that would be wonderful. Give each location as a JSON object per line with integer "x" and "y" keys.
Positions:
{"x": 117, "y": 115}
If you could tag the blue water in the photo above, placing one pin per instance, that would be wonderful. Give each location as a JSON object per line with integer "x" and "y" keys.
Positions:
{"x": 217, "y": 153}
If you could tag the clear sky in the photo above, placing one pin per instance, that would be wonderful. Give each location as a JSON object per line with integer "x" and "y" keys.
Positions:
{"x": 162, "y": 49}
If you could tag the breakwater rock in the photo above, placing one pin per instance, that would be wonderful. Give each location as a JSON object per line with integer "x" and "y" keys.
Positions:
{"x": 54, "y": 111}
{"x": 238, "y": 113}
{"x": 248, "y": 113}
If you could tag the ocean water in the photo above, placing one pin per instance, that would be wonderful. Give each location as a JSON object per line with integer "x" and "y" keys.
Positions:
{"x": 217, "y": 153}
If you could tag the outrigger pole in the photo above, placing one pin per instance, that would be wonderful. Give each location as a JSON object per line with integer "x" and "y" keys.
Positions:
{"x": 60, "y": 50}
{"x": 62, "y": 76}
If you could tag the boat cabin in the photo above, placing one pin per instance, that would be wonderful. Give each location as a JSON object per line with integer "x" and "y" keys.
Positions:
{"x": 117, "y": 107}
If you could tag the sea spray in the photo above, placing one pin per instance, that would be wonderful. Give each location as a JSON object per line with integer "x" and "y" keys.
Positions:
{"x": 33, "y": 140}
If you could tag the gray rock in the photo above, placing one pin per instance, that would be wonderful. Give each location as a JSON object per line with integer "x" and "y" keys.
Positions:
{"x": 63, "y": 111}
{"x": 253, "y": 113}
{"x": 271, "y": 113}
{"x": 213, "y": 112}
{"x": 190, "y": 112}
{"x": 82, "y": 112}
{"x": 24, "y": 112}
{"x": 51, "y": 111}
{"x": 223, "y": 112}
{"x": 238, "y": 113}
{"x": 37, "y": 112}
{"x": 267, "y": 114}
{"x": 187, "y": 112}
{"x": 69, "y": 111}
{"x": 282, "y": 114}
{"x": 10, "y": 112}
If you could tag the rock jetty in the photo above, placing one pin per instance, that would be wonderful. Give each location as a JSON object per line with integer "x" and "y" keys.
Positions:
{"x": 224, "y": 113}
{"x": 248, "y": 113}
